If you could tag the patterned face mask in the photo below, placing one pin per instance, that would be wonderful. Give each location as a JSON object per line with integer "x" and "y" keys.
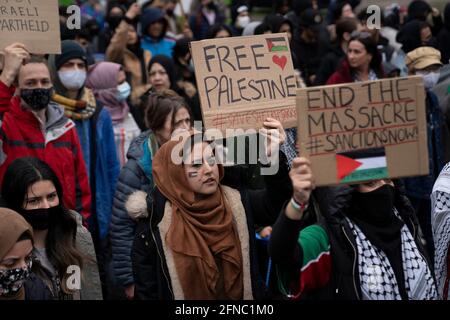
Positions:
{"x": 37, "y": 99}
{"x": 11, "y": 280}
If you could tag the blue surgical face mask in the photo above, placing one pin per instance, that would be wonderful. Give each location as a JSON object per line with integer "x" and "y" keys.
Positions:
{"x": 124, "y": 91}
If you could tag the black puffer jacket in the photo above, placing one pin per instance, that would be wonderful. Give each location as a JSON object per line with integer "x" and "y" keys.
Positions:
{"x": 35, "y": 289}
{"x": 135, "y": 181}
{"x": 330, "y": 209}
{"x": 151, "y": 274}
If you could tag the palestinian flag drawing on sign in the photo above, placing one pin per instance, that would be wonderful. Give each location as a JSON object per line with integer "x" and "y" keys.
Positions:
{"x": 361, "y": 165}
{"x": 277, "y": 44}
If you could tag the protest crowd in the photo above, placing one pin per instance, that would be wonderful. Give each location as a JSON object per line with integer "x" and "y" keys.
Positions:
{"x": 94, "y": 207}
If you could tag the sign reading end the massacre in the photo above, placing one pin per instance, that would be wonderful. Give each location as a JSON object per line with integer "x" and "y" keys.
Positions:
{"x": 364, "y": 131}
{"x": 35, "y": 23}
{"x": 244, "y": 80}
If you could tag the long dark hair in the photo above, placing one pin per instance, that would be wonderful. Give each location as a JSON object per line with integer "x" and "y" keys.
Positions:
{"x": 371, "y": 47}
{"x": 216, "y": 28}
{"x": 136, "y": 47}
{"x": 60, "y": 242}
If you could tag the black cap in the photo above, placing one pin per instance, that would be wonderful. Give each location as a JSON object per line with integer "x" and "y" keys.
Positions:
{"x": 310, "y": 17}
{"x": 70, "y": 50}
{"x": 301, "y": 5}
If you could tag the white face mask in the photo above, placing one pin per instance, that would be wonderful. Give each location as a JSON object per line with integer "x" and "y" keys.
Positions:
{"x": 72, "y": 79}
{"x": 124, "y": 91}
{"x": 430, "y": 79}
{"x": 242, "y": 21}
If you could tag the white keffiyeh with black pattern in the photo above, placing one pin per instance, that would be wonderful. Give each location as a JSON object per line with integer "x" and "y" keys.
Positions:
{"x": 377, "y": 278}
{"x": 440, "y": 222}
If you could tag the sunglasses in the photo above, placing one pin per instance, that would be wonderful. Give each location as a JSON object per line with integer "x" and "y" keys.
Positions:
{"x": 360, "y": 35}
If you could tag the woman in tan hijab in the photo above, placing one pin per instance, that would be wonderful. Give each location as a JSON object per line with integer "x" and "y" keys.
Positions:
{"x": 16, "y": 246}
{"x": 199, "y": 240}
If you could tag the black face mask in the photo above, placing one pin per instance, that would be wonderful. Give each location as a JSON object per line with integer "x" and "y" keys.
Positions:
{"x": 114, "y": 21}
{"x": 375, "y": 207}
{"x": 39, "y": 218}
{"x": 37, "y": 99}
{"x": 432, "y": 42}
{"x": 211, "y": 5}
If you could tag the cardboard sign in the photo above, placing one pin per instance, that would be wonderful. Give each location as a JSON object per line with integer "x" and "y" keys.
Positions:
{"x": 34, "y": 23}
{"x": 243, "y": 80}
{"x": 364, "y": 131}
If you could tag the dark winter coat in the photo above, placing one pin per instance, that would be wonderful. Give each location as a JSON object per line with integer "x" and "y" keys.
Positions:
{"x": 151, "y": 263}
{"x": 35, "y": 289}
{"x": 329, "y": 65}
{"x": 135, "y": 181}
{"x": 331, "y": 209}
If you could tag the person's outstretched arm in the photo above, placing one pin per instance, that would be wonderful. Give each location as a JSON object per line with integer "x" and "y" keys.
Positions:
{"x": 302, "y": 258}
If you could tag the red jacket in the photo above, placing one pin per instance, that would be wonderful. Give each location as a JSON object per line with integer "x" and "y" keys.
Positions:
{"x": 343, "y": 74}
{"x": 21, "y": 135}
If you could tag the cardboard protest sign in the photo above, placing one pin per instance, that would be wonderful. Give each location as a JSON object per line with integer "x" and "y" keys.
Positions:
{"x": 34, "y": 23}
{"x": 364, "y": 131}
{"x": 243, "y": 80}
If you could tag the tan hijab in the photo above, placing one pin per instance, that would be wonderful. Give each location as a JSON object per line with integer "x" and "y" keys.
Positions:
{"x": 12, "y": 226}
{"x": 202, "y": 235}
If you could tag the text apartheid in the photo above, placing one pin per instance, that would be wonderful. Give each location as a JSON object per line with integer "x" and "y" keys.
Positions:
{"x": 17, "y": 16}
{"x": 35, "y": 23}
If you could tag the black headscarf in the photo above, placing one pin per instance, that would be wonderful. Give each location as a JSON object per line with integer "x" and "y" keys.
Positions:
{"x": 168, "y": 65}
{"x": 181, "y": 48}
{"x": 275, "y": 21}
{"x": 409, "y": 36}
{"x": 418, "y": 10}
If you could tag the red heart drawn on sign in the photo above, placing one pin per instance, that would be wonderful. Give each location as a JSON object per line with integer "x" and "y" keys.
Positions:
{"x": 280, "y": 61}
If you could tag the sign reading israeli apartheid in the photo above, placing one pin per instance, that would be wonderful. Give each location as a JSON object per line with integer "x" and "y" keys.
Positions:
{"x": 35, "y": 23}
{"x": 364, "y": 131}
{"x": 244, "y": 80}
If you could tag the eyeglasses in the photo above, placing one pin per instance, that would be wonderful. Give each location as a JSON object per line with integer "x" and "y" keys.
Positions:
{"x": 360, "y": 35}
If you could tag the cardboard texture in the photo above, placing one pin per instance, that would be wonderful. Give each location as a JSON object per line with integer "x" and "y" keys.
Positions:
{"x": 363, "y": 131}
{"x": 243, "y": 80}
{"x": 34, "y": 23}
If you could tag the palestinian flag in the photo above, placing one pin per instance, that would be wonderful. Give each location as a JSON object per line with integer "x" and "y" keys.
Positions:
{"x": 277, "y": 44}
{"x": 361, "y": 165}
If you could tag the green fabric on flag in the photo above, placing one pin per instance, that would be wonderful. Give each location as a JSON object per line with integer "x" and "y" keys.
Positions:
{"x": 365, "y": 175}
{"x": 66, "y": 3}
{"x": 314, "y": 241}
{"x": 279, "y": 48}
